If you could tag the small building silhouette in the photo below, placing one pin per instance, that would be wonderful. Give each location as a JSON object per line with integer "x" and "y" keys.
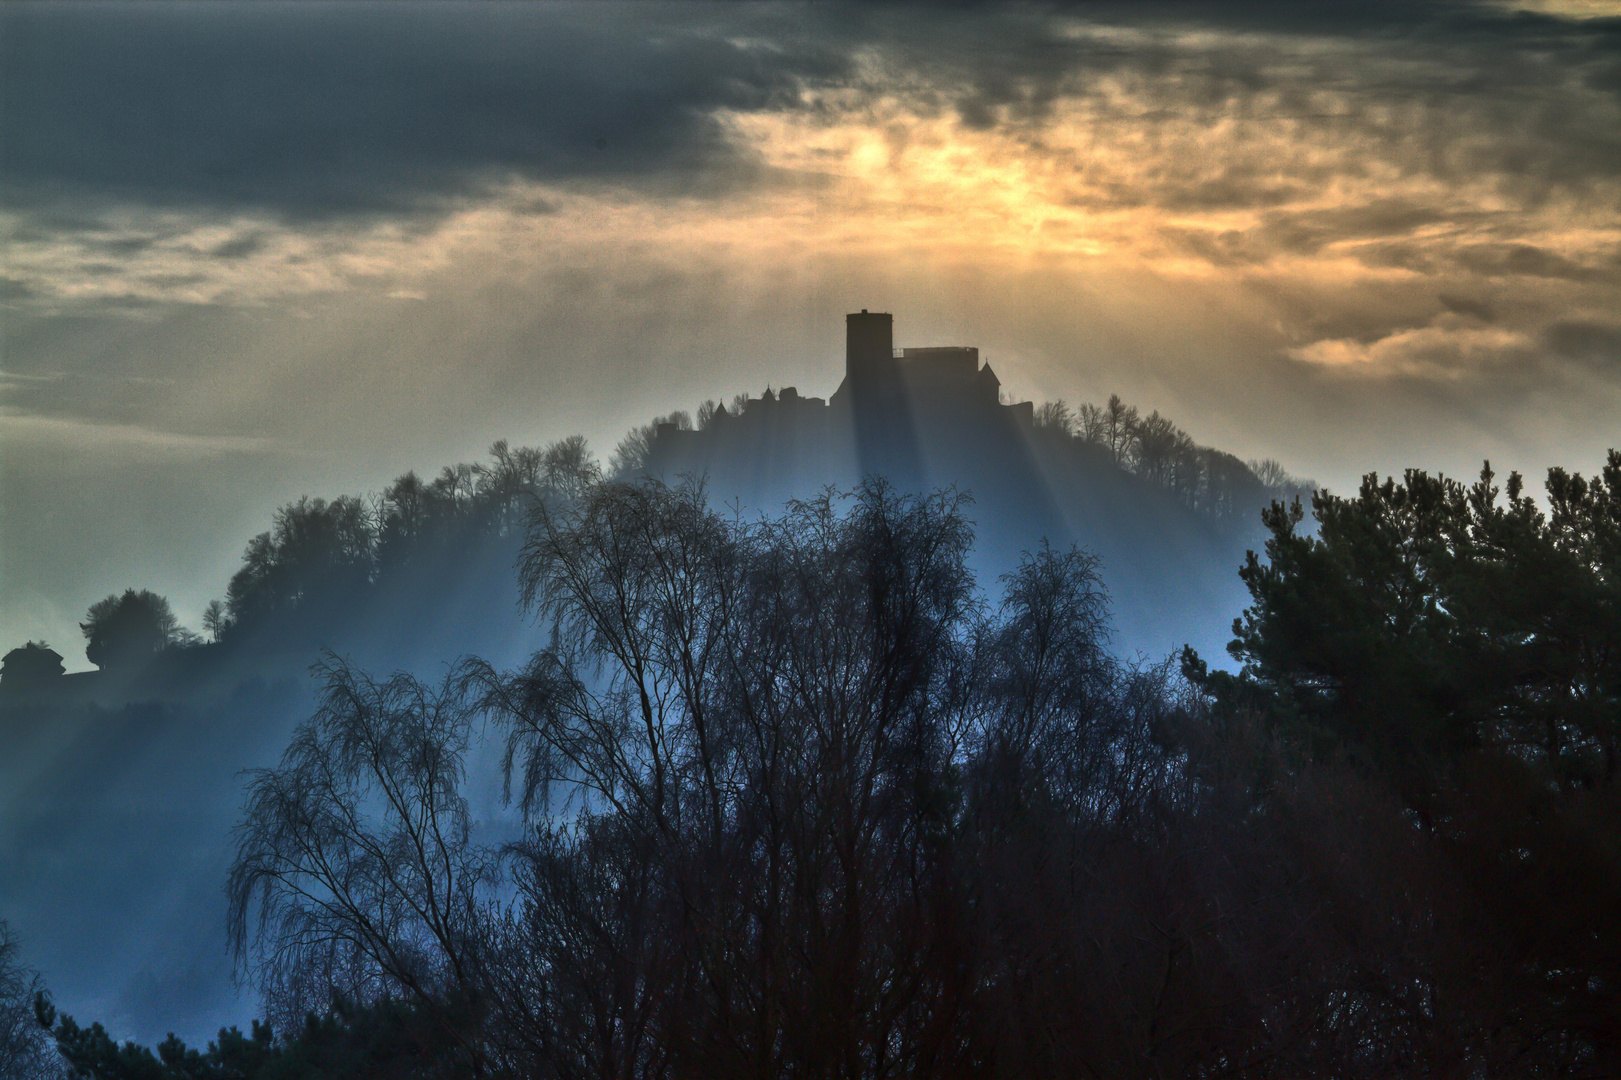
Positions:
{"x": 31, "y": 664}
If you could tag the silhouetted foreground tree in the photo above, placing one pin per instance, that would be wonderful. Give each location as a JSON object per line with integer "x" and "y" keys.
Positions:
{"x": 750, "y": 753}
{"x": 25, "y": 1051}
{"x": 356, "y": 855}
{"x": 758, "y": 723}
{"x": 1426, "y": 619}
{"x": 1464, "y": 655}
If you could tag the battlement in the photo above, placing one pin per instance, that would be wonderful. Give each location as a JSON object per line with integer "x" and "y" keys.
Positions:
{"x": 943, "y": 361}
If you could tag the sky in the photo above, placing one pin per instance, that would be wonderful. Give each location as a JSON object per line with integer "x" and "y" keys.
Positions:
{"x": 249, "y": 252}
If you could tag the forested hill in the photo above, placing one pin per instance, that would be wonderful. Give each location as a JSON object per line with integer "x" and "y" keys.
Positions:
{"x": 111, "y": 772}
{"x": 1169, "y": 519}
{"x": 422, "y": 571}
{"x": 413, "y": 576}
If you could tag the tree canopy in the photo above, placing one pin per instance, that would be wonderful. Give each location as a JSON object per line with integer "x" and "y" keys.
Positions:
{"x": 325, "y": 562}
{"x": 802, "y": 800}
{"x": 124, "y": 631}
{"x": 1465, "y": 653}
{"x": 1425, "y": 619}
{"x": 760, "y": 760}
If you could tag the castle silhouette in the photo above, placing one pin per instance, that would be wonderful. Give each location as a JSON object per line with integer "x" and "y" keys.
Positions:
{"x": 875, "y": 371}
{"x": 885, "y": 418}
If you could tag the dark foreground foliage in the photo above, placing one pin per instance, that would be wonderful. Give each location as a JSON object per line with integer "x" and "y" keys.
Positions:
{"x": 800, "y": 802}
{"x": 385, "y": 1040}
{"x": 1461, "y": 655}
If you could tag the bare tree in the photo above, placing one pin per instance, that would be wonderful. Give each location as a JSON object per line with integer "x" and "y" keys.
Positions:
{"x": 355, "y": 875}
{"x": 1279, "y": 484}
{"x": 1154, "y": 446}
{"x": 1092, "y": 425}
{"x": 216, "y": 620}
{"x": 754, "y": 716}
{"x": 26, "y": 1050}
{"x": 1119, "y": 426}
{"x": 1056, "y": 417}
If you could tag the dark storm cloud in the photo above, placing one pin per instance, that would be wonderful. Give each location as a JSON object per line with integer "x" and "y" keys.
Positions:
{"x": 124, "y": 245}
{"x": 1527, "y": 260}
{"x": 1413, "y": 81}
{"x": 314, "y": 109}
{"x": 400, "y": 221}
{"x": 1462, "y": 305}
{"x": 238, "y": 247}
{"x": 1595, "y": 343}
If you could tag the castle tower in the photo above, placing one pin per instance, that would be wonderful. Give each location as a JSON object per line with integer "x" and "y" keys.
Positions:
{"x": 869, "y": 347}
{"x": 880, "y": 415}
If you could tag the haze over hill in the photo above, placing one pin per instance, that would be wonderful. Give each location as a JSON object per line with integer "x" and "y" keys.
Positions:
{"x": 1170, "y": 520}
{"x": 423, "y": 573}
{"x": 816, "y": 711}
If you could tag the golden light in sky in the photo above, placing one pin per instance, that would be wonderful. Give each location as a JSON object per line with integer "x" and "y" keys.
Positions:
{"x": 1343, "y": 244}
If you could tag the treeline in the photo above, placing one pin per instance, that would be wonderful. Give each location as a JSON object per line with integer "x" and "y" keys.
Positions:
{"x": 384, "y": 1039}
{"x": 320, "y": 558}
{"x": 1151, "y": 448}
{"x": 1154, "y": 449}
{"x": 803, "y": 801}
{"x": 387, "y": 1038}
{"x": 324, "y": 565}
{"x": 326, "y": 570}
